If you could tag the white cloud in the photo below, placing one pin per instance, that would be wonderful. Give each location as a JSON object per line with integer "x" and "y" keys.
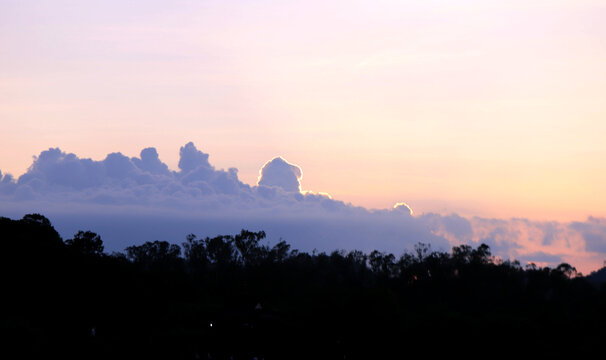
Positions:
{"x": 279, "y": 172}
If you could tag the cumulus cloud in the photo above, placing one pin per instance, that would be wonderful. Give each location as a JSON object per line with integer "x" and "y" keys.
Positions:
{"x": 54, "y": 169}
{"x": 194, "y": 163}
{"x": 140, "y": 198}
{"x": 593, "y": 232}
{"x": 150, "y": 162}
{"x": 453, "y": 227}
{"x": 59, "y": 177}
{"x": 280, "y": 173}
{"x": 541, "y": 242}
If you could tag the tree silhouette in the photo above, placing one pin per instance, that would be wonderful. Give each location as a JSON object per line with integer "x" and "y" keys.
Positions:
{"x": 86, "y": 243}
{"x": 382, "y": 263}
{"x": 221, "y": 250}
{"x": 36, "y": 219}
{"x": 247, "y": 244}
{"x": 462, "y": 254}
{"x": 195, "y": 253}
{"x": 566, "y": 269}
{"x": 422, "y": 250}
{"x": 33, "y": 235}
{"x": 280, "y": 252}
{"x": 481, "y": 255}
{"x": 68, "y": 299}
{"x": 155, "y": 254}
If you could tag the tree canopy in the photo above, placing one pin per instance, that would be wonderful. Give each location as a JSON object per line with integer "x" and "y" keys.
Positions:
{"x": 240, "y": 296}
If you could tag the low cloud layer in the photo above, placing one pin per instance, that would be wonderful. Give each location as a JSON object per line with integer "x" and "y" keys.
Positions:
{"x": 131, "y": 200}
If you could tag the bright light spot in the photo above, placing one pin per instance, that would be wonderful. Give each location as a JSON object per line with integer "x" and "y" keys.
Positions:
{"x": 321, "y": 193}
{"x": 325, "y": 194}
{"x": 403, "y": 206}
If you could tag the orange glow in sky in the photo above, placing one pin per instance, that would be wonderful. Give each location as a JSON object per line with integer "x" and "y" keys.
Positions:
{"x": 486, "y": 108}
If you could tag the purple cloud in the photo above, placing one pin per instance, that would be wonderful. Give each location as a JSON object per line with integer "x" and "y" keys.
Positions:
{"x": 280, "y": 173}
{"x": 119, "y": 192}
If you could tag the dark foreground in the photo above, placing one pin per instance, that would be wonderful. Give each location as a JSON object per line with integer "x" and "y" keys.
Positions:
{"x": 232, "y": 297}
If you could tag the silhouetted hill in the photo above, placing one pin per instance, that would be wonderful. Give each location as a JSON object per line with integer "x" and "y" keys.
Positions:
{"x": 232, "y": 296}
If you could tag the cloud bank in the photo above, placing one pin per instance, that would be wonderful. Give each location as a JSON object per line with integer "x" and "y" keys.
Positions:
{"x": 131, "y": 200}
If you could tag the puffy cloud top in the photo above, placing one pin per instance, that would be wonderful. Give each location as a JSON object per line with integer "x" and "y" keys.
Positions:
{"x": 150, "y": 162}
{"x": 62, "y": 183}
{"x": 402, "y": 206}
{"x": 146, "y": 180}
{"x": 594, "y": 233}
{"x": 54, "y": 168}
{"x": 119, "y": 166}
{"x": 280, "y": 173}
{"x": 193, "y": 159}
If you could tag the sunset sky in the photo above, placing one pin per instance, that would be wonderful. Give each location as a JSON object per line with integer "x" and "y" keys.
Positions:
{"x": 479, "y": 108}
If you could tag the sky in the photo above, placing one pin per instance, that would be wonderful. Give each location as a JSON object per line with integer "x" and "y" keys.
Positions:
{"x": 482, "y": 109}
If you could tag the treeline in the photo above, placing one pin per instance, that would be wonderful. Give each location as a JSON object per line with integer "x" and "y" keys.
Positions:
{"x": 232, "y": 296}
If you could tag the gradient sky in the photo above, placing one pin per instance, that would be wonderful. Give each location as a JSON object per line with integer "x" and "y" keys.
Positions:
{"x": 486, "y": 108}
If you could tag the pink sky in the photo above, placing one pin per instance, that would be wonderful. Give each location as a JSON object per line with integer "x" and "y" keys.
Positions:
{"x": 486, "y": 108}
